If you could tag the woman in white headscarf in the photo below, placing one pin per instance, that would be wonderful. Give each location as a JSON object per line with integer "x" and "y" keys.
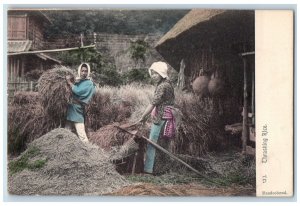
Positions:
{"x": 163, "y": 121}
{"x": 83, "y": 90}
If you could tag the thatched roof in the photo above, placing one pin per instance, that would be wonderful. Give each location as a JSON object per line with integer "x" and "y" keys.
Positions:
{"x": 193, "y": 18}
{"x": 206, "y": 29}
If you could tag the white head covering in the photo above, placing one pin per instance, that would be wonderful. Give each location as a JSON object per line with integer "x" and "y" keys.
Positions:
{"x": 79, "y": 70}
{"x": 161, "y": 68}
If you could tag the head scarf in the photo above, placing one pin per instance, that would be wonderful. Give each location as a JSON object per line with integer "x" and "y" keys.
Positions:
{"x": 79, "y": 70}
{"x": 161, "y": 68}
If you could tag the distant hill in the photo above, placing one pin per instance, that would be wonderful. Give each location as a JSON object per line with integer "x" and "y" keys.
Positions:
{"x": 131, "y": 22}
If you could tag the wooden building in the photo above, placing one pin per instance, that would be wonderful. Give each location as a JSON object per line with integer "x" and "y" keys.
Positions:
{"x": 26, "y": 33}
{"x": 218, "y": 43}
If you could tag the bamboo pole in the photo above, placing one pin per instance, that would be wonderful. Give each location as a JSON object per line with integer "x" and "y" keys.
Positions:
{"x": 245, "y": 110}
{"x": 168, "y": 153}
{"x": 50, "y": 51}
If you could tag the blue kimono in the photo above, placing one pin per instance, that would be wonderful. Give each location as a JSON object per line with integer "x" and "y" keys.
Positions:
{"x": 82, "y": 91}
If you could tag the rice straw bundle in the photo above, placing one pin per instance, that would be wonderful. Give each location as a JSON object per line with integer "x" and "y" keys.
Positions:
{"x": 109, "y": 136}
{"x": 26, "y": 121}
{"x": 119, "y": 145}
{"x": 194, "y": 134}
{"x": 102, "y": 111}
{"x": 55, "y": 93}
{"x": 22, "y": 97}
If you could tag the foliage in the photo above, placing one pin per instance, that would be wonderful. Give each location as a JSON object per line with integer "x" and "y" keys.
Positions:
{"x": 109, "y": 75}
{"x": 23, "y": 162}
{"x": 136, "y": 75}
{"x": 138, "y": 50}
{"x": 70, "y": 22}
{"x": 76, "y": 57}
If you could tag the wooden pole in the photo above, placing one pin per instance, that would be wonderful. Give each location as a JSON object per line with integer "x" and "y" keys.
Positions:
{"x": 253, "y": 97}
{"x": 134, "y": 163}
{"x": 51, "y": 50}
{"x": 245, "y": 110}
{"x": 81, "y": 43}
{"x": 168, "y": 153}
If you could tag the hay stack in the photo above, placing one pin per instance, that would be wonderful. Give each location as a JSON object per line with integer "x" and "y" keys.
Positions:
{"x": 114, "y": 141}
{"x": 103, "y": 111}
{"x": 26, "y": 121}
{"x": 21, "y": 98}
{"x": 70, "y": 168}
{"x": 195, "y": 134}
{"x": 55, "y": 93}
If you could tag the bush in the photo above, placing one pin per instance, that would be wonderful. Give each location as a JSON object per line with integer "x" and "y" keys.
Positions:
{"x": 136, "y": 75}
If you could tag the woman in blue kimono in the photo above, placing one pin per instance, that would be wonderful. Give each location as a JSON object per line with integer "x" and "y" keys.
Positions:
{"x": 83, "y": 90}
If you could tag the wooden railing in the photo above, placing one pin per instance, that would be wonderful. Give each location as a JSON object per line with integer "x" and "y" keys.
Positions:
{"x": 13, "y": 87}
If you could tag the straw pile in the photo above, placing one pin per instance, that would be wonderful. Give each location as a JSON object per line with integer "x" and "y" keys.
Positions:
{"x": 26, "y": 121}
{"x": 195, "y": 135}
{"x": 21, "y": 98}
{"x": 55, "y": 93}
{"x": 120, "y": 146}
{"x": 102, "y": 110}
{"x": 67, "y": 167}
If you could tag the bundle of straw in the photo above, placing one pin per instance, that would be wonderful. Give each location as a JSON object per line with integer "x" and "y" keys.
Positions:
{"x": 22, "y": 97}
{"x": 195, "y": 134}
{"x": 26, "y": 121}
{"x": 55, "y": 93}
{"x": 103, "y": 111}
{"x": 119, "y": 145}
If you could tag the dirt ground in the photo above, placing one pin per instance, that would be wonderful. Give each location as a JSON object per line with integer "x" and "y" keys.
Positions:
{"x": 148, "y": 189}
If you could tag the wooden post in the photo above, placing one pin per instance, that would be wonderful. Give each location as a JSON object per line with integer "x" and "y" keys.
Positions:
{"x": 134, "y": 163}
{"x": 95, "y": 37}
{"x": 81, "y": 40}
{"x": 31, "y": 86}
{"x": 253, "y": 98}
{"x": 81, "y": 43}
{"x": 181, "y": 77}
{"x": 245, "y": 110}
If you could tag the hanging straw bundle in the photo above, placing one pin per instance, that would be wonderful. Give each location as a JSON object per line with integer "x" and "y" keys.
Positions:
{"x": 55, "y": 93}
{"x": 200, "y": 85}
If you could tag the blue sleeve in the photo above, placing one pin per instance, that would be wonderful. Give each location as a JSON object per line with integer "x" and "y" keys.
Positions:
{"x": 84, "y": 90}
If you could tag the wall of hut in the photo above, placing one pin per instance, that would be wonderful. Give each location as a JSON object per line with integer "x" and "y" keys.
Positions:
{"x": 227, "y": 65}
{"x": 35, "y": 32}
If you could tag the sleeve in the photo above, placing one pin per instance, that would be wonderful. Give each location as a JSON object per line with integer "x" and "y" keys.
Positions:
{"x": 83, "y": 90}
{"x": 158, "y": 95}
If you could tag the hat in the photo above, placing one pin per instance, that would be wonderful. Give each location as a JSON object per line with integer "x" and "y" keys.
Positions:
{"x": 161, "y": 68}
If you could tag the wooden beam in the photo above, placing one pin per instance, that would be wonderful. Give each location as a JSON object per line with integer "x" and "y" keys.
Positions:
{"x": 247, "y": 53}
{"x": 50, "y": 51}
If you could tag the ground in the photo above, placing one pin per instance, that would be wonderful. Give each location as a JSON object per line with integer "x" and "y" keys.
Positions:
{"x": 179, "y": 185}
{"x": 150, "y": 189}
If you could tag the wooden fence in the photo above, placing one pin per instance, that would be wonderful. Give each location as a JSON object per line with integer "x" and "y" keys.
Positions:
{"x": 13, "y": 87}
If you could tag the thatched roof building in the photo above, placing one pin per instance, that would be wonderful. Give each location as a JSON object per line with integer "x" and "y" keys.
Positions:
{"x": 218, "y": 45}
{"x": 206, "y": 29}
